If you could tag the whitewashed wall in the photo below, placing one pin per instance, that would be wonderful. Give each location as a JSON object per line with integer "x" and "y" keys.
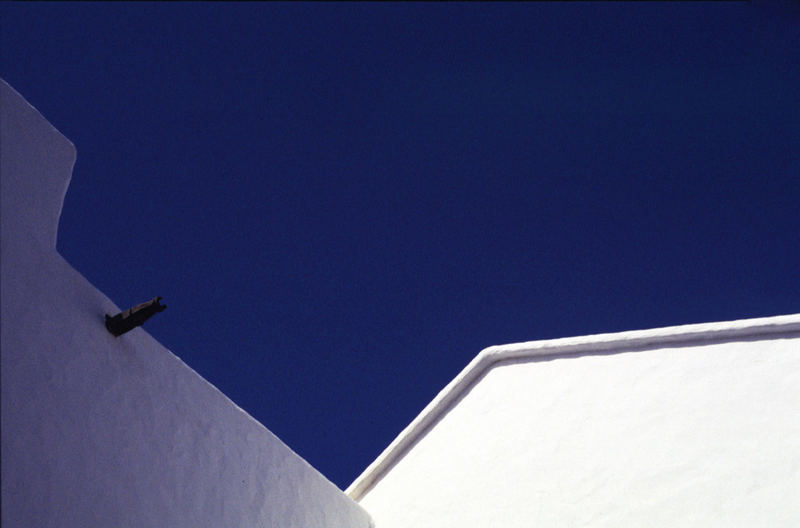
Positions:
{"x": 100, "y": 431}
{"x": 689, "y": 426}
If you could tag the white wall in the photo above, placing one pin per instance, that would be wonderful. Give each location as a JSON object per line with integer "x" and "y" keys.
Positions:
{"x": 103, "y": 431}
{"x": 704, "y": 432}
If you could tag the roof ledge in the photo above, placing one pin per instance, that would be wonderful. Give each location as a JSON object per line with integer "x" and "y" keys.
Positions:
{"x": 759, "y": 328}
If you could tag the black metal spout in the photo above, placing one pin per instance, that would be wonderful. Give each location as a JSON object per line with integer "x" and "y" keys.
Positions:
{"x": 133, "y": 317}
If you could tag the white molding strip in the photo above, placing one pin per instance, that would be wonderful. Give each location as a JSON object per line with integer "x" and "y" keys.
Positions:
{"x": 599, "y": 343}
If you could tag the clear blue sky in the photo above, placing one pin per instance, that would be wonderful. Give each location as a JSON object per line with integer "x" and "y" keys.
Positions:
{"x": 342, "y": 204}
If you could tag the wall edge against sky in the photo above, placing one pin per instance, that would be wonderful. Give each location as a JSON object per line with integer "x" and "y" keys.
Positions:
{"x": 155, "y": 436}
{"x": 608, "y": 343}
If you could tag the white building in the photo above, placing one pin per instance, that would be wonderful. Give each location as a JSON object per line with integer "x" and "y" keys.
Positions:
{"x": 696, "y": 425}
{"x": 106, "y": 432}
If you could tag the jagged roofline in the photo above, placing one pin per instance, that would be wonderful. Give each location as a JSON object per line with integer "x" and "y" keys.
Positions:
{"x": 760, "y": 328}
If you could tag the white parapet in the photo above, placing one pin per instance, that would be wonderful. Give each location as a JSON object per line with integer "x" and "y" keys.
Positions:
{"x": 697, "y": 425}
{"x": 117, "y": 432}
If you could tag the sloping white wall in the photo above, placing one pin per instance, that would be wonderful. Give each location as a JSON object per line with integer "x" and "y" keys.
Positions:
{"x": 103, "y": 431}
{"x": 689, "y": 426}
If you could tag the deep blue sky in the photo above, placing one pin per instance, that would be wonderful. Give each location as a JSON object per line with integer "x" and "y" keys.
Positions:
{"x": 342, "y": 204}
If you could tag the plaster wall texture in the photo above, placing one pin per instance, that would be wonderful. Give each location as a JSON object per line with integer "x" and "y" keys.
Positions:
{"x": 104, "y": 431}
{"x": 614, "y": 430}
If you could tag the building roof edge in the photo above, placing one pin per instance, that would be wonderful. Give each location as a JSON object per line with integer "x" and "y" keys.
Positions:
{"x": 605, "y": 343}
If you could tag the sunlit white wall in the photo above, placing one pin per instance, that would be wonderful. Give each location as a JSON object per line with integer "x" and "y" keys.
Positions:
{"x": 702, "y": 434}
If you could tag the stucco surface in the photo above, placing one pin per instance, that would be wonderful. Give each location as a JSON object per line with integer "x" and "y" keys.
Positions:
{"x": 701, "y": 434}
{"x": 105, "y": 431}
